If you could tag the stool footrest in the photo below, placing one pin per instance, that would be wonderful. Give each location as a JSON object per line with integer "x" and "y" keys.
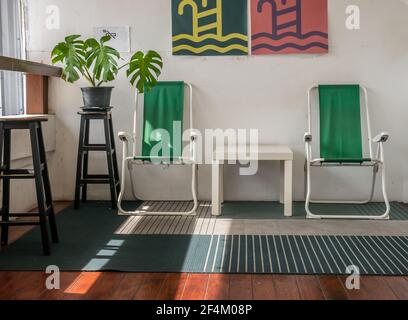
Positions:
{"x": 20, "y": 223}
{"x": 95, "y": 181}
{"x": 27, "y": 214}
{"x": 23, "y": 215}
{"x": 18, "y": 173}
{"x": 95, "y": 147}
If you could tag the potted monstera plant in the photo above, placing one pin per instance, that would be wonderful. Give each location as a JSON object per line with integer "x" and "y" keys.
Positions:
{"x": 98, "y": 63}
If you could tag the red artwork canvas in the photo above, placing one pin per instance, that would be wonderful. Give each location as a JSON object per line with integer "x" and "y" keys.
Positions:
{"x": 289, "y": 26}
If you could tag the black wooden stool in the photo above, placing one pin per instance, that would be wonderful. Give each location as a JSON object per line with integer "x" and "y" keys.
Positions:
{"x": 83, "y": 178}
{"x": 39, "y": 174}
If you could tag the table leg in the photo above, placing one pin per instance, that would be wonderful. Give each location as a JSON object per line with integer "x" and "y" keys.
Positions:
{"x": 217, "y": 187}
{"x": 286, "y": 186}
{"x": 282, "y": 182}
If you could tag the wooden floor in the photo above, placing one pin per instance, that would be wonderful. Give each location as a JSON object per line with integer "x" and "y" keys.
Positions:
{"x": 152, "y": 286}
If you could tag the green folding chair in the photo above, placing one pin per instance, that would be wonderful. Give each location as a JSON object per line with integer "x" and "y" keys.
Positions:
{"x": 162, "y": 139}
{"x": 341, "y": 142}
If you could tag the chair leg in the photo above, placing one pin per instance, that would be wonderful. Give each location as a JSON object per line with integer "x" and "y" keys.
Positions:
{"x": 386, "y": 215}
{"x": 311, "y": 215}
{"x": 305, "y": 180}
{"x": 373, "y": 183}
{"x": 47, "y": 188}
{"x": 308, "y": 191}
{"x": 79, "y": 163}
{"x": 39, "y": 187}
{"x": 109, "y": 154}
{"x": 6, "y": 143}
{"x": 195, "y": 188}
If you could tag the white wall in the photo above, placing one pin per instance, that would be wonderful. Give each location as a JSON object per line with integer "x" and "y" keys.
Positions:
{"x": 266, "y": 92}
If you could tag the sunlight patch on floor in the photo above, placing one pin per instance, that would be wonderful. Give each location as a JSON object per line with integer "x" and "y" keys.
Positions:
{"x": 83, "y": 283}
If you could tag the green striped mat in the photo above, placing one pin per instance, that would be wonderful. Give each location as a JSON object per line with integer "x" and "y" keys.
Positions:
{"x": 274, "y": 210}
{"x": 307, "y": 254}
{"x": 90, "y": 242}
{"x": 222, "y": 254}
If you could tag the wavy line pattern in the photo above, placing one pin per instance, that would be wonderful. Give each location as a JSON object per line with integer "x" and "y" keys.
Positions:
{"x": 289, "y": 39}
{"x": 210, "y": 47}
{"x": 290, "y": 45}
{"x": 290, "y": 34}
{"x": 292, "y": 42}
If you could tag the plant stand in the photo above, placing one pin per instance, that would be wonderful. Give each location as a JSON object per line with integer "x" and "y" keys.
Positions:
{"x": 83, "y": 178}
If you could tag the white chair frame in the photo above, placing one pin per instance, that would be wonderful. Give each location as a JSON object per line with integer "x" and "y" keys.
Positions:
{"x": 129, "y": 162}
{"x": 376, "y": 163}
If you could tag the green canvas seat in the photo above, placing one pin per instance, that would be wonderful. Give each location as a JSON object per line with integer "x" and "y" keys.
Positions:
{"x": 340, "y": 124}
{"x": 163, "y": 106}
{"x": 162, "y": 138}
{"x": 341, "y": 140}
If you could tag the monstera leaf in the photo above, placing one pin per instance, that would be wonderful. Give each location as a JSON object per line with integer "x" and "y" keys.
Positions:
{"x": 103, "y": 59}
{"x": 98, "y": 63}
{"x": 71, "y": 54}
{"x": 144, "y": 70}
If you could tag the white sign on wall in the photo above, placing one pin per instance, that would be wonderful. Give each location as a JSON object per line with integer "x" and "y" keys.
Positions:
{"x": 120, "y": 37}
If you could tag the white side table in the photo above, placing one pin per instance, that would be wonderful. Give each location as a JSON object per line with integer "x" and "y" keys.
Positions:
{"x": 283, "y": 154}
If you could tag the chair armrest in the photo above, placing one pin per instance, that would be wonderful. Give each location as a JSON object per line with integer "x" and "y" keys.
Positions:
{"x": 125, "y": 137}
{"x": 382, "y": 137}
{"x": 308, "y": 137}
